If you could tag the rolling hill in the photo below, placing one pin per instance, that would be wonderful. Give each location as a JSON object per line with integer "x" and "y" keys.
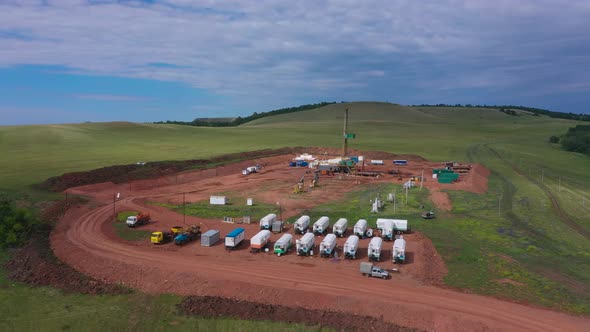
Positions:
{"x": 531, "y": 227}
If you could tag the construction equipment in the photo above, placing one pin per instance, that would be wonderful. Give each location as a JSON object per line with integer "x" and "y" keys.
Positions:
{"x": 160, "y": 237}
{"x": 139, "y": 219}
{"x": 316, "y": 179}
{"x": 428, "y": 215}
{"x": 300, "y": 186}
{"x": 189, "y": 234}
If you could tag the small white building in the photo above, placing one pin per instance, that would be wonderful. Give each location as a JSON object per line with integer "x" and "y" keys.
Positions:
{"x": 217, "y": 200}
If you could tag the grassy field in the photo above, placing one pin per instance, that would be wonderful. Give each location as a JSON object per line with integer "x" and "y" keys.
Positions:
{"x": 523, "y": 239}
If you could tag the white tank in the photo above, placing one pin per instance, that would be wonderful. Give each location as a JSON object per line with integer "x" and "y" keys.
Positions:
{"x": 350, "y": 247}
{"x": 360, "y": 228}
{"x": 340, "y": 227}
{"x": 266, "y": 221}
{"x": 260, "y": 240}
{"x": 305, "y": 244}
{"x": 321, "y": 226}
{"x": 374, "y": 250}
{"x": 400, "y": 225}
{"x": 327, "y": 245}
{"x": 302, "y": 224}
{"x": 399, "y": 250}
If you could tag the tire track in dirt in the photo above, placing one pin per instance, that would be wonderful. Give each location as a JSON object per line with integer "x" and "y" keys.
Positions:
{"x": 563, "y": 216}
{"x": 460, "y": 311}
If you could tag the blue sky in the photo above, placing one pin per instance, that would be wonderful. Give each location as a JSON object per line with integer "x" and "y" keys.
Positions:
{"x": 74, "y": 60}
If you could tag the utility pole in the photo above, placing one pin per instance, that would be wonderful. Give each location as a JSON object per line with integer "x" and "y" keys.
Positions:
{"x": 345, "y": 134}
{"x": 184, "y": 208}
{"x": 422, "y": 180}
{"x": 394, "y": 199}
{"x": 114, "y": 198}
{"x": 500, "y": 206}
{"x": 407, "y": 195}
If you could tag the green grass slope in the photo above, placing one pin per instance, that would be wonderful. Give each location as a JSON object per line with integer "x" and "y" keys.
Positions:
{"x": 527, "y": 240}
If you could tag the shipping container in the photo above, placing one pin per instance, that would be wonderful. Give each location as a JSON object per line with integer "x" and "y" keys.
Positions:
{"x": 360, "y": 228}
{"x": 351, "y": 246}
{"x": 234, "y": 238}
{"x": 374, "y": 250}
{"x": 339, "y": 228}
{"x": 399, "y": 250}
{"x": 400, "y": 226}
{"x": 301, "y": 225}
{"x": 266, "y": 221}
{"x": 327, "y": 245}
{"x": 284, "y": 244}
{"x": 400, "y": 162}
{"x": 259, "y": 241}
{"x": 305, "y": 244}
{"x": 217, "y": 200}
{"x": 321, "y": 225}
{"x": 277, "y": 226}
{"x": 376, "y": 162}
{"x": 209, "y": 238}
{"x": 386, "y": 228}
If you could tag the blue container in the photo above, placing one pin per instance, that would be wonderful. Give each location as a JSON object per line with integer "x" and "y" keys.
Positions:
{"x": 292, "y": 164}
{"x": 355, "y": 159}
{"x": 302, "y": 163}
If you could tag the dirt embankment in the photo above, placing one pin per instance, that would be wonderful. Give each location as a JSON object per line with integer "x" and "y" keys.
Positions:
{"x": 34, "y": 263}
{"x": 213, "y": 307}
{"x": 151, "y": 170}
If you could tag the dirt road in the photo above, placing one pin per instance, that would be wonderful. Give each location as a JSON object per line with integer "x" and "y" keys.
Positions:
{"x": 85, "y": 240}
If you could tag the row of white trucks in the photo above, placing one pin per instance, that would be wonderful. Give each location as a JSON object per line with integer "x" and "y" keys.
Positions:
{"x": 305, "y": 245}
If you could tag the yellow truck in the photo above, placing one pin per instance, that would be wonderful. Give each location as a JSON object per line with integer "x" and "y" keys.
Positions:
{"x": 159, "y": 237}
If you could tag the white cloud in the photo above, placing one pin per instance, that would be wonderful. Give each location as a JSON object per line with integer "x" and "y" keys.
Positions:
{"x": 275, "y": 50}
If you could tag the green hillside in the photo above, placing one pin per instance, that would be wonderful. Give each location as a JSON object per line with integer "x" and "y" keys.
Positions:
{"x": 528, "y": 240}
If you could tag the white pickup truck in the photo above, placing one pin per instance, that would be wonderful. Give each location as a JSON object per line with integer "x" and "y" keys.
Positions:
{"x": 368, "y": 269}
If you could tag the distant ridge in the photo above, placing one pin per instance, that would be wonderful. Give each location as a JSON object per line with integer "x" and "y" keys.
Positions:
{"x": 508, "y": 109}
{"x": 207, "y": 122}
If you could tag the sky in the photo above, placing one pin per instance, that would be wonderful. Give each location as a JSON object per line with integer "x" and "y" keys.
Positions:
{"x": 98, "y": 60}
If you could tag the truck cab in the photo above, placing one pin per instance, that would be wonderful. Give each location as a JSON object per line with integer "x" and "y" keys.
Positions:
{"x": 131, "y": 221}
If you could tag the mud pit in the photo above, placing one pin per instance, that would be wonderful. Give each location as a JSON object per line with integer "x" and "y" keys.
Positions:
{"x": 84, "y": 239}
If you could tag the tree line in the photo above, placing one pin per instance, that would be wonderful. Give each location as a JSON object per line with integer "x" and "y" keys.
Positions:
{"x": 576, "y": 139}
{"x": 509, "y": 109}
{"x": 241, "y": 120}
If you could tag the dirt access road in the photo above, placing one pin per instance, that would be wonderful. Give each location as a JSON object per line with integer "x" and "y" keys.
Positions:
{"x": 84, "y": 239}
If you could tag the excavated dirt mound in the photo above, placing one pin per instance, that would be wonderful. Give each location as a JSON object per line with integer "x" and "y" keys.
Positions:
{"x": 34, "y": 264}
{"x": 213, "y": 307}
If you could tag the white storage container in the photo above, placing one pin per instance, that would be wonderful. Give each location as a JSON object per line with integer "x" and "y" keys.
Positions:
{"x": 321, "y": 225}
{"x": 351, "y": 246}
{"x": 374, "y": 250}
{"x": 259, "y": 241}
{"x": 399, "y": 250}
{"x": 217, "y": 200}
{"x": 305, "y": 244}
{"x": 327, "y": 245}
{"x": 360, "y": 228}
{"x": 234, "y": 238}
{"x": 266, "y": 221}
{"x": 340, "y": 227}
{"x": 301, "y": 224}
{"x": 283, "y": 245}
{"x": 386, "y": 227}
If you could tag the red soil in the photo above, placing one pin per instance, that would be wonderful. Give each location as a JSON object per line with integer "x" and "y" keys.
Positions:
{"x": 84, "y": 239}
